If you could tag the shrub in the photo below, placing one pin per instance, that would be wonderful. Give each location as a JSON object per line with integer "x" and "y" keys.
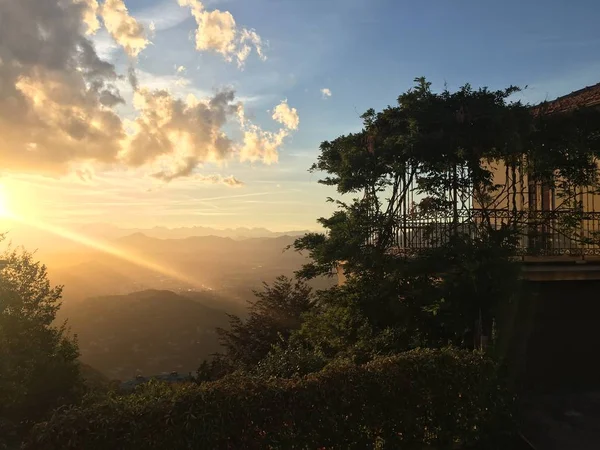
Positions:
{"x": 289, "y": 362}
{"x": 420, "y": 399}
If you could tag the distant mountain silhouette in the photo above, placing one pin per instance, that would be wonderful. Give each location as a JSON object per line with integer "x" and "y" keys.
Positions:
{"x": 145, "y": 332}
{"x": 34, "y": 238}
{"x": 112, "y": 232}
{"x": 231, "y": 267}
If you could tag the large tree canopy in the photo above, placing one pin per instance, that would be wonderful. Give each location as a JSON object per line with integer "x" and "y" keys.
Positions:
{"x": 423, "y": 171}
{"x": 436, "y": 153}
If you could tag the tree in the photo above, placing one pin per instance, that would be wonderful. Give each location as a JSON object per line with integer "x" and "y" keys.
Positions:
{"x": 420, "y": 238}
{"x": 39, "y": 369}
{"x": 272, "y": 317}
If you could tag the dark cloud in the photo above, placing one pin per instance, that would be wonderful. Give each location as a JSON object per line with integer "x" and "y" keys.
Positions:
{"x": 53, "y": 89}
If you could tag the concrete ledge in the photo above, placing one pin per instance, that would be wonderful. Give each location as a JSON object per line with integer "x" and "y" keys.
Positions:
{"x": 541, "y": 269}
{"x": 572, "y": 269}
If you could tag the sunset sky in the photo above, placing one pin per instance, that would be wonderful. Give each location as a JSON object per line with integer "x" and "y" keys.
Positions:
{"x": 182, "y": 112}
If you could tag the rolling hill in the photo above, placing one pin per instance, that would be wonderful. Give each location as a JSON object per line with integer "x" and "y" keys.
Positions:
{"x": 145, "y": 332}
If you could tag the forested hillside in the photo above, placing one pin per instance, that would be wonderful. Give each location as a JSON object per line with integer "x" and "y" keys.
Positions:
{"x": 145, "y": 332}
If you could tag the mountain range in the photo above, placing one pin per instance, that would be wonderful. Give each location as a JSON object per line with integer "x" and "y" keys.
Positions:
{"x": 200, "y": 263}
{"x": 36, "y": 237}
{"x": 111, "y": 232}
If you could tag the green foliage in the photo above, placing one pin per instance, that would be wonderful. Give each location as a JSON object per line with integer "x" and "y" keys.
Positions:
{"x": 421, "y": 399}
{"x": 38, "y": 367}
{"x": 448, "y": 295}
{"x": 426, "y": 162}
{"x": 463, "y": 285}
{"x": 272, "y": 317}
{"x": 290, "y": 361}
{"x": 338, "y": 328}
{"x": 215, "y": 368}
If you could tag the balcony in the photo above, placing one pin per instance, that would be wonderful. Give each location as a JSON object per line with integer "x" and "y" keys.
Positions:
{"x": 540, "y": 234}
{"x": 552, "y": 245}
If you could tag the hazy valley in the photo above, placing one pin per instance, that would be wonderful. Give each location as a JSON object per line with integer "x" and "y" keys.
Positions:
{"x": 144, "y": 305}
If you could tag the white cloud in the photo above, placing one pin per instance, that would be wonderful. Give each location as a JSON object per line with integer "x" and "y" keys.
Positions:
{"x": 90, "y": 15}
{"x": 177, "y": 86}
{"x": 249, "y": 39}
{"x": 104, "y": 44}
{"x": 217, "y": 31}
{"x": 325, "y": 92}
{"x": 124, "y": 29}
{"x": 287, "y": 116}
{"x": 261, "y": 145}
{"x": 232, "y": 181}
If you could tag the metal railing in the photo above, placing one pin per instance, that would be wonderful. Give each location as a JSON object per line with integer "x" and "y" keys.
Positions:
{"x": 537, "y": 233}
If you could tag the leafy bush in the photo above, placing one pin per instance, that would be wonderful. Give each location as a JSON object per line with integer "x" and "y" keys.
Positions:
{"x": 291, "y": 361}
{"x": 420, "y": 399}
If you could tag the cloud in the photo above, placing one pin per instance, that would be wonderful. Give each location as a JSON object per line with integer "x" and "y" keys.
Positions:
{"x": 90, "y": 15}
{"x": 84, "y": 174}
{"x": 56, "y": 92}
{"x": 261, "y": 145}
{"x": 230, "y": 181}
{"x": 180, "y": 135}
{"x": 325, "y": 92}
{"x": 217, "y": 31}
{"x": 189, "y": 132}
{"x": 178, "y": 86}
{"x": 104, "y": 44}
{"x": 124, "y": 29}
{"x": 59, "y": 99}
{"x": 180, "y": 69}
{"x": 249, "y": 39}
{"x": 164, "y": 15}
{"x": 286, "y": 116}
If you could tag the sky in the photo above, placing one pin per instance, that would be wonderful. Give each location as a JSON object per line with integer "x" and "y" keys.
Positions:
{"x": 144, "y": 113}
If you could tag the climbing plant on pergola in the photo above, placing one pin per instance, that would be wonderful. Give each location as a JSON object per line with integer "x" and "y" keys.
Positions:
{"x": 431, "y": 160}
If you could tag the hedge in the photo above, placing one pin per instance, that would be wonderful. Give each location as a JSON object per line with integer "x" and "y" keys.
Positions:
{"x": 438, "y": 399}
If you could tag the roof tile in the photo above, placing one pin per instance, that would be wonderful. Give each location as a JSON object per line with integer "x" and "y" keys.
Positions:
{"x": 586, "y": 97}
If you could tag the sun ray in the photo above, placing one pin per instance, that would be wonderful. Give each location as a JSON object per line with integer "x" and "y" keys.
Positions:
{"x": 140, "y": 261}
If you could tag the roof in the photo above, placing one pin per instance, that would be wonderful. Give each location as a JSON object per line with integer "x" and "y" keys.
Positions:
{"x": 583, "y": 98}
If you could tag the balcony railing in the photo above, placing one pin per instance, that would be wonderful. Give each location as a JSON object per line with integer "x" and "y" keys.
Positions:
{"x": 537, "y": 233}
